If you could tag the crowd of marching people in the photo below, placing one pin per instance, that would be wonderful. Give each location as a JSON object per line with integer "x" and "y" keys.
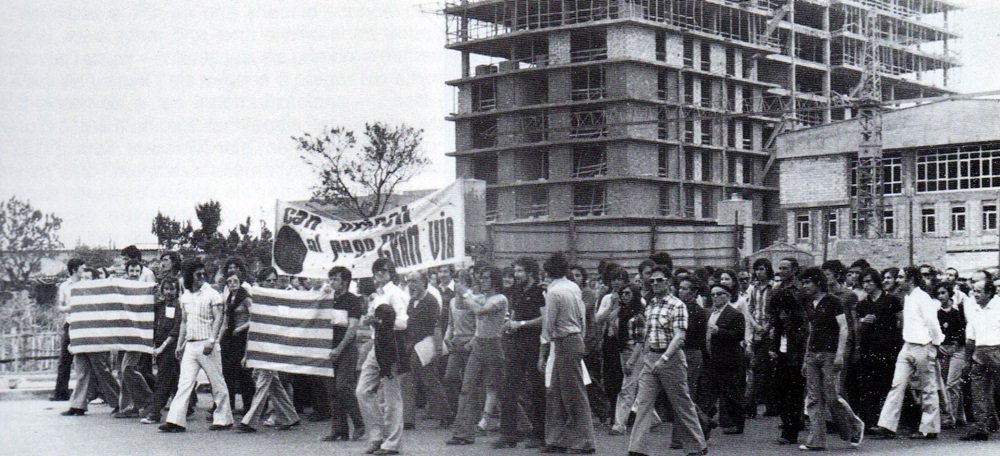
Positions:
{"x": 543, "y": 353}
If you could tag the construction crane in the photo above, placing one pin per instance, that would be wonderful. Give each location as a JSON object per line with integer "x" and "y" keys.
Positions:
{"x": 869, "y": 199}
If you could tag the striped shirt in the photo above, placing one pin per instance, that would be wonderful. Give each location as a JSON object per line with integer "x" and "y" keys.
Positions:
{"x": 198, "y": 312}
{"x": 664, "y": 317}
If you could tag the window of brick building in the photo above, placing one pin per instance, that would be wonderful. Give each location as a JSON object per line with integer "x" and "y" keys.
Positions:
{"x": 802, "y": 227}
{"x": 958, "y": 217}
{"x": 989, "y": 215}
{"x": 928, "y": 220}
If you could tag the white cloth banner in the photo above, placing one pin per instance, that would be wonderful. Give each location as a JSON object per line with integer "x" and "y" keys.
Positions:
{"x": 425, "y": 233}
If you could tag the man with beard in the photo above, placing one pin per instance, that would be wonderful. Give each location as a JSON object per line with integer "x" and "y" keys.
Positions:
{"x": 521, "y": 375}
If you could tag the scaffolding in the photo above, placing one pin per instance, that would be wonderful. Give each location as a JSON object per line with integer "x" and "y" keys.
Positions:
{"x": 477, "y": 20}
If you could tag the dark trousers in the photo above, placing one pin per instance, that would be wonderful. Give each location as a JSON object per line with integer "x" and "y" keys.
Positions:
{"x": 567, "y": 410}
{"x": 790, "y": 387}
{"x": 168, "y": 369}
{"x": 426, "y": 378}
{"x": 759, "y": 373}
{"x": 612, "y": 370}
{"x": 65, "y": 365}
{"x": 725, "y": 385}
{"x": 874, "y": 372}
{"x": 522, "y": 378}
{"x": 238, "y": 379}
{"x": 343, "y": 402}
{"x": 596, "y": 394}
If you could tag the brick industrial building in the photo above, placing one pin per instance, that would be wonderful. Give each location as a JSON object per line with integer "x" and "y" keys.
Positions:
{"x": 613, "y": 128}
{"x": 941, "y": 180}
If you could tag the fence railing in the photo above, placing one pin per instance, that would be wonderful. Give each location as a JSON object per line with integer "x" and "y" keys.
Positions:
{"x": 29, "y": 352}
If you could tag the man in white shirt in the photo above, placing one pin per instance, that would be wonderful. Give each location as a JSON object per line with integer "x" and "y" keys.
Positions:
{"x": 132, "y": 253}
{"x": 983, "y": 341}
{"x": 381, "y": 397}
{"x": 921, "y": 336}
{"x": 76, "y": 268}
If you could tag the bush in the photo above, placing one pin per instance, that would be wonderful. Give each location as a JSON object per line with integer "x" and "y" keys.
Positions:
{"x": 22, "y": 312}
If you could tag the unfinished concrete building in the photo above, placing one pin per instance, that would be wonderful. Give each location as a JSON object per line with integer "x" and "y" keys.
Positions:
{"x": 614, "y": 128}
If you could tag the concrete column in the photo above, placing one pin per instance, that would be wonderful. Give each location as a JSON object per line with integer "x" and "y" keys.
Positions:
{"x": 559, "y": 48}
{"x": 717, "y": 59}
{"x": 464, "y": 98}
{"x": 675, "y": 49}
{"x": 631, "y": 41}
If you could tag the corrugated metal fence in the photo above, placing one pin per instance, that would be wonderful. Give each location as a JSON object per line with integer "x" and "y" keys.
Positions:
{"x": 29, "y": 352}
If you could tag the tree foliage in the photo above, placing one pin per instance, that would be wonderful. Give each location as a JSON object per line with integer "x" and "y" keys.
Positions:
{"x": 95, "y": 257}
{"x": 170, "y": 233}
{"x": 362, "y": 180}
{"x": 26, "y": 237}
{"x": 209, "y": 242}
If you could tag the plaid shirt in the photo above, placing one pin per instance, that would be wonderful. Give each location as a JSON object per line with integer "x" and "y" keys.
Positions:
{"x": 663, "y": 317}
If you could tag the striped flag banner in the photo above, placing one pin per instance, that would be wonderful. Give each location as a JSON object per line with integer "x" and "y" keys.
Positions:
{"x": 111, "y": 314}
{"x": 291, "y": 331}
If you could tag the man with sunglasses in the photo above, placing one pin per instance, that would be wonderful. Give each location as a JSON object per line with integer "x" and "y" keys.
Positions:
{"x": 198, "y": 348}
{"x": 665, "y": 366}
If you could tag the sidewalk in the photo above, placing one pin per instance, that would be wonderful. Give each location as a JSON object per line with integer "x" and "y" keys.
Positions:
{"x": 23, "y": 386}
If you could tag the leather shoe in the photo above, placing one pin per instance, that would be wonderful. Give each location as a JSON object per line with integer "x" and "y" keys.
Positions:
{"x": 784, "y": 441}
{"x": 285, "y": 427}
{"x": 459, "y": 441}
{"x": 922, "y": 436}
{"x": 220, "y": 427}
{"x": 376, "y": 446}
{"x": 975, "y": 437}
{"x": 74, "y": 412}
{"x": 245, "y": 428}
{"x": 732, "y": 431}
{"x": 810, "y": 448}
{"x": 335, "y": 437}
{"x": 503, "y": 443}
{"x": 381, "y": 452}
{"x": 549, "y": 449}
{"x": 171, "y": 427}
{"x": 581, "y": 450}
{"x": 409, "y": 426}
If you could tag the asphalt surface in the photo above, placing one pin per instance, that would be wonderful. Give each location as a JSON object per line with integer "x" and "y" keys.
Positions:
{"x": 34, "y": 427}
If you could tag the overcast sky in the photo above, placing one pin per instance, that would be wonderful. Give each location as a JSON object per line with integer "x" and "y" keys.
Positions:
{"x": 112, "y": 112}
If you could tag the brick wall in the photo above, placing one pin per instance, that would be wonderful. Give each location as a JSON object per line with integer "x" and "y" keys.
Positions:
{"x": 814, "y": 180}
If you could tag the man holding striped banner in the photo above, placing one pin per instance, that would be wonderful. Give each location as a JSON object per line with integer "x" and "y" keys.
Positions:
{"x": 290, "y": 331}
{"x": 106, "y": 315}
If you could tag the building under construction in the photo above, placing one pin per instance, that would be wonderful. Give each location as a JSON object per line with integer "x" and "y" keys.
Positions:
{"x": 613, "y": 128}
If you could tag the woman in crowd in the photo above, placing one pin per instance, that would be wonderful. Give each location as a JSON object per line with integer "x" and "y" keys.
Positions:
{"x": 234, "y": 341}
{"x": 611, "y": 318}
{"x": 625, "y": 346}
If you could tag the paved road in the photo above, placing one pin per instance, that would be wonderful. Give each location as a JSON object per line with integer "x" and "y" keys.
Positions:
{"x": 34, "y": 427}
